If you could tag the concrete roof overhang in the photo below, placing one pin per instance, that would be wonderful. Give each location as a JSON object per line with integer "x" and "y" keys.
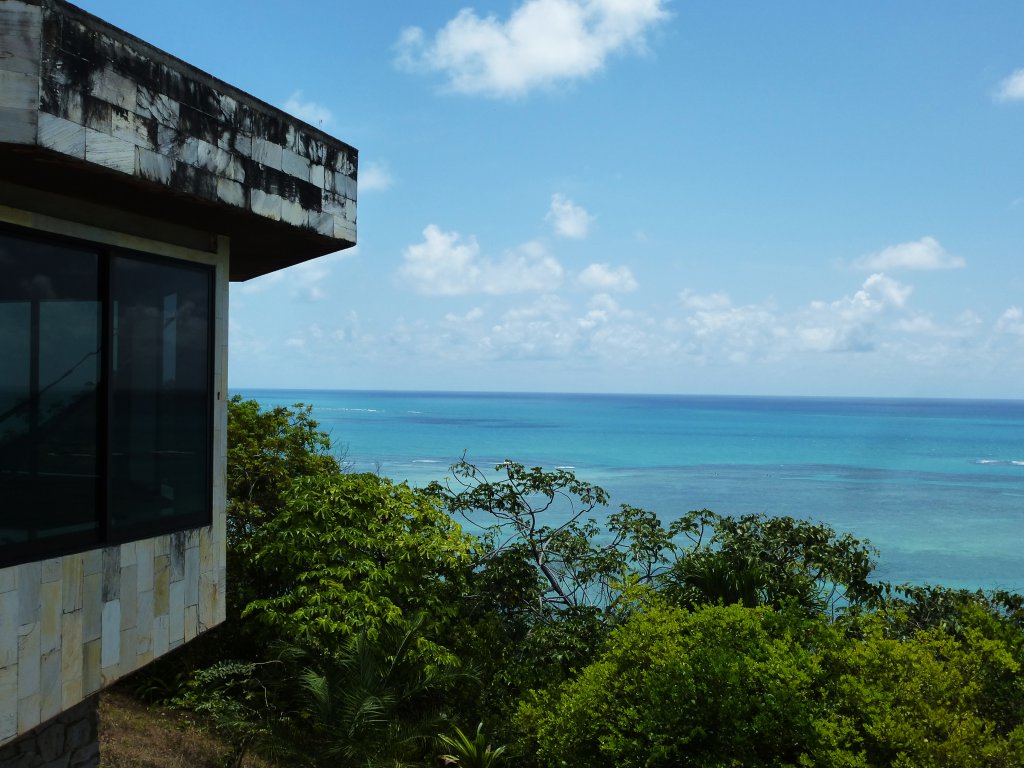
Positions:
{"x": 101, "y": 118}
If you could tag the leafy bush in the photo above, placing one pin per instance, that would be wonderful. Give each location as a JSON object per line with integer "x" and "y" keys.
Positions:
{"x": 735, "y": 686}
{"x": 352, "y": 553}
{"x": 721, "y": 686}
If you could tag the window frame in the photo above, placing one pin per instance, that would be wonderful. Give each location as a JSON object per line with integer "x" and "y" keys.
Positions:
{"x": 106, "y": 533}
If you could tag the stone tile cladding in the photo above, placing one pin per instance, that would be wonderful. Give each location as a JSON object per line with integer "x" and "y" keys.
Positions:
{"x": 70, "y": 740}
{"x": 72, "y": 625}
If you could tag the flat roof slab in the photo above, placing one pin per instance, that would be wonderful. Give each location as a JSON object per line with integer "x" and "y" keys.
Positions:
{"x": 91, "y": 112}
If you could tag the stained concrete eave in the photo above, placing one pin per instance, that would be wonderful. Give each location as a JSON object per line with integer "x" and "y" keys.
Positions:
{"x": 96, "y": 115}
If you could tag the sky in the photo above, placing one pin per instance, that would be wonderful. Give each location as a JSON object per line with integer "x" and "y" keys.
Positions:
{"x": 650, "y": 196}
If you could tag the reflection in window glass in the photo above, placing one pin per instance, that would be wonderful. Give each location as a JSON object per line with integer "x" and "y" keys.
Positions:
{"x": 50, "y": 347}
{"x": 160, "y": 444}
{"x": 105, "y": 397}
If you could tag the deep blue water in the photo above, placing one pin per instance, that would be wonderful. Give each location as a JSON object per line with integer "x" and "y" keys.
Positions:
{"x": 936, "y": 485}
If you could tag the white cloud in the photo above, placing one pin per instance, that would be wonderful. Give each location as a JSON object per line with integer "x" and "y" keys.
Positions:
{"x": 442, "y": 265}
{"x": 308, "y": 280}
{"x": 968, "y": 320}
{"x": 853, "y": 323}
{"x": 881, "y": 291}
{"x": 375, "y": 177}
{"x": 692, "y": 300}
{"x": 1011, "y": 88}
{"x": 446, "y": 265}
{"x": 923, "y": 254}
{"x": 1011, "y": 322}
{"x": 542, "y": 42}
{"x": 603, "y": 278}
{"x": 877, "y": 293}
{"x": 568, "y": 219}
{"x": 310, "y": 111}
{"x": 470, "y": 317}
{"x": 720, "y": 332}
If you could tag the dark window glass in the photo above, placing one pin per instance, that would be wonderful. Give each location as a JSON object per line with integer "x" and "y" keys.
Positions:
{"x": 160, "y": 448}
{"x": 105, "y": 397}
{"x": 50, "y": 363}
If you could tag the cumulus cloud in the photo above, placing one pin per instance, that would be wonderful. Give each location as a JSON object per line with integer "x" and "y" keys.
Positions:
{"x": 692, "y": 300}
{"x": 1011, "y": 322}
{"x": 543, "y": 42}
{"x": 851, "y": 323}
{"x": 1011, "y": 87}
{"x": 923, "y": 254}
{"x": 877, "y": 293}
{"x": 309, "y": 280}
{"x": 445, "y": 264}
{"x": 470, "y": 317}
{"x": 374, "y": 177}
{"x": 310, "y": 111}
{"x": 717, "y": 331}
{"x": 604, "y": 278}
{"x": 568, "y": 219}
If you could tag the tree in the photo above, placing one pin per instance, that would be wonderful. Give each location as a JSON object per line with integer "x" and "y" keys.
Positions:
{"x": 768, "y": 560}
{"x": 544, "y": 518}
{"x": 719, "y": 686}
{"x": 543, "y": 592}
{"x": 550, "y": 582}
{"x": 348, "y": 553}
{"x": 268, "y": 449}
{"x": 734, "y": 686}
{"x": 929, "y": 698}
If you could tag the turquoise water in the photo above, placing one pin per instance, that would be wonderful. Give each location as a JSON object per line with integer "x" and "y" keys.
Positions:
{"x": 936, "y": 485}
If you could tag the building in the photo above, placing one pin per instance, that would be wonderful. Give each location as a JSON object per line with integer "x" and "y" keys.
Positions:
{"x": 133, "y": 188}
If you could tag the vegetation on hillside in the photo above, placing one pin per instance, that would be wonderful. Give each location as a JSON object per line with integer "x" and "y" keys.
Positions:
{"x": 368, "y": 628}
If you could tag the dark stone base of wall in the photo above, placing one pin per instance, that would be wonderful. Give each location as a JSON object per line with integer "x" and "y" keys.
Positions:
{"x": 70, "y": 740}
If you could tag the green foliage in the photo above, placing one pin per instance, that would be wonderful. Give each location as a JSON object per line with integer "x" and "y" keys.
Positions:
{"x": 268, "y": 449}
{"x": 515, "y": 509}
{"x": 546, "y": 579}
{"x": 235, "y": 699}
{"x": 763, "y": 560}
{"x": 923, "y": 700}
{"x": 466, "y": 753}
{"x": 374, "y": 704}
{"x": 355, "y": 553}
{"x": 550, "y": 583}
{"x": 721, "y": 686}
{"x": 735, "y": 686}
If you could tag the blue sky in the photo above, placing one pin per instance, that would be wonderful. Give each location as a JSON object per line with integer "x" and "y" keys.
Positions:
{"x": 792, "y": 198}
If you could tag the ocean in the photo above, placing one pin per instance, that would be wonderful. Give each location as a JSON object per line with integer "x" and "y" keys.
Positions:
{"x": 936, "y": 485}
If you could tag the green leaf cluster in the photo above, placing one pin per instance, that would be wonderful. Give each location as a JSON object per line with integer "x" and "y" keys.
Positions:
{"x": 354, "y": 553}
{"x": 734, "y": 686}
